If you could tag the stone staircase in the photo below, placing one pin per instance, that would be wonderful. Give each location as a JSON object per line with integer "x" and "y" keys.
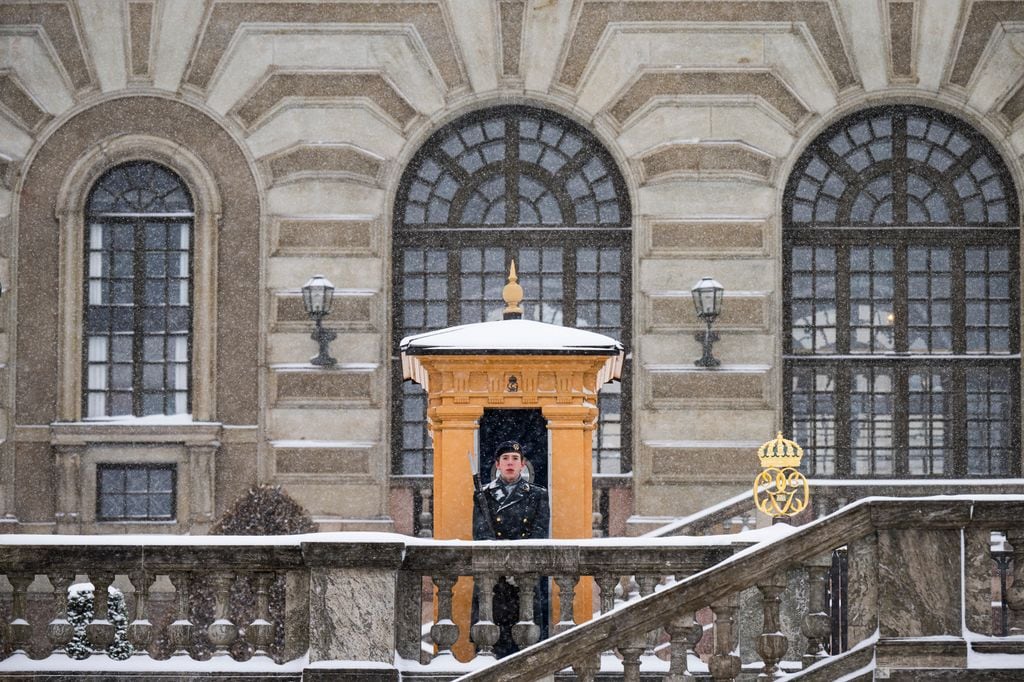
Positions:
{"x": 921, "y": 585}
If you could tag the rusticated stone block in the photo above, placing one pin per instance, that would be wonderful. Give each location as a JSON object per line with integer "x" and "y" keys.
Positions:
{"x": 317, "y": 237}
{"x": 348, "y": 312}
{"x": 739, "y": 313}
{"x": 322, "y": 460}
{"x": 710, "y": 237}
{"x": 689, "y": 461}
{"x": 862, "y": 595}
{"x": 977, "y": 576}
{"x": 352, "y": 615}
{"x": 339, "y": 386}
{"x": 686, "y": 387}
{"x": 918, "y": 583}
{"x": 911, "y": 653}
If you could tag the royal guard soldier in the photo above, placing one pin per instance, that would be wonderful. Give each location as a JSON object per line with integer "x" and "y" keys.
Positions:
{"x": 510, "y": 508}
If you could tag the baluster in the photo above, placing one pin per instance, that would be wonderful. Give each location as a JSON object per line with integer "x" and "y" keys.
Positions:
{"x": 140, "y": 631}
{"x": 426, "y": 512}
{"x": 100, "y": 632}
{"x": 586, "y": 669}
{"x": 1015, "y": 592}
{"x": 180, "y": 631}
{"x": 596, "y": 517}
{"x": 724, "y": 665}
{"x": 222, "y": 632}
{"x": 260, "y": 633}
{"x": 60, "y": 631}
{"x": 19, "y": 631}
{"x": 647, "y": 583}
{"x": 566, "y": 594}
{"x": 816, "y": 625}
{"x": 692, "y": 640}
{"x": 485, "y": 632}
{"x": 630, "y": 652}
{"x": 772, "y": 644}
{"x": 526, "y": 632}
{"x": 679, "y": 629}
{"x": 444, "y": 632}
{"x": 631, "y": 589}
{"x": 607, "y": 583}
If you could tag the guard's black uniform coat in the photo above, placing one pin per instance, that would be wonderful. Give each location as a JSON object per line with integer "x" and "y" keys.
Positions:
{"x": 519, "y": 515}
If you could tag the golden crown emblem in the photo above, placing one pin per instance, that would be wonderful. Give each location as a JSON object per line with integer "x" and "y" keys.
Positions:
{"x": 780, "y": 453}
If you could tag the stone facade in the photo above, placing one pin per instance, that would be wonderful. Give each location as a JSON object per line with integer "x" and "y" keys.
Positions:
{"x": 292, "y": 122}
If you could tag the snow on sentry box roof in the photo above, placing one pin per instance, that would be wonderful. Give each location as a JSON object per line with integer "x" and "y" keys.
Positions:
{"x": 513, "y": 337}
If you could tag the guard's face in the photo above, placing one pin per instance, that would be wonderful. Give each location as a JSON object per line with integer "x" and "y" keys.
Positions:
{"x": 510, "y": 465}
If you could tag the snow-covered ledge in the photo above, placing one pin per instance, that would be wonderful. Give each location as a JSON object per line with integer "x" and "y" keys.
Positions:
{"x": 190, "y": 446}
{"x": 920, "y": 595}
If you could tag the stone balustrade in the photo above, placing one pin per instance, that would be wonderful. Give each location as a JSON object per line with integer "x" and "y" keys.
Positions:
{"x": 711, "y": 606}
{"x": 920, "y": 590}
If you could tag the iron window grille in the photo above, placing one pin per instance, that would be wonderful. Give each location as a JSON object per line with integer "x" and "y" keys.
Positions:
{"x": 500, "y": 184}
{"x": 136, "y": 492}
{"x": 902, "y": 348}
{"x": 137, "y": 293}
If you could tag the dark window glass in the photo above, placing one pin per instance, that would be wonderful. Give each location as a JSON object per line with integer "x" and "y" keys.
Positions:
{"x": 138, "y": 293}
{"x": 901, "y": 294}
{"x": 135, "y": 492}
{"x": 502, "y": 184}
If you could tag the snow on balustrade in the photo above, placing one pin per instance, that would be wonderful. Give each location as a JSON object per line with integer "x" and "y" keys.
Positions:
{"x": 720, "y": 605}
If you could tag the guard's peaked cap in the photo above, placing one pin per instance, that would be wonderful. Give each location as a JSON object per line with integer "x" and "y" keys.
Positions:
{"x": 509, "y": 446}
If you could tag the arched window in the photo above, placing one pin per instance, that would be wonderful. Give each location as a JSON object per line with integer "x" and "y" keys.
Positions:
{"x": 138, "y": 291}
{"x": 501, "y": 184}
{"x": 902, "y": 296}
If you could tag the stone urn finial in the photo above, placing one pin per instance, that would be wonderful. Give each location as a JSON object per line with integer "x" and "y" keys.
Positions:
{"x": 513, "y": 295}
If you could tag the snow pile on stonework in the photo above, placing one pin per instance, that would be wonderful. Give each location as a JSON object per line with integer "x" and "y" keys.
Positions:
{"x": 511, "y": 335}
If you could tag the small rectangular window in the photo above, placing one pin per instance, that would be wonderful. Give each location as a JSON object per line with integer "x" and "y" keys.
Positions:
{"x": 136, "y": 492}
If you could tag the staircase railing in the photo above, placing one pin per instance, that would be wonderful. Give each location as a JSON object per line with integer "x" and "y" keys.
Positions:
{"x": 920, "y": 580}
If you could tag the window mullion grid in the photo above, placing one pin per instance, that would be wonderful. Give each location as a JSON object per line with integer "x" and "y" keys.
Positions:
{"x": 512, "y": 170}
{"x": 899, "y": 301}
{"x": 958, "y": 317}
{"x": 191, "y": 317}
{"x": 900, "y": 168}
{"x": 787, "y": 319}
{"x": 900, "y": 416}
{"x": 957, "y": 456}
{"x": 842, "y": 290}
{"x": 843, "y": 374}
{"x": 569, "y": 284}
{"x": 138, "y": 298}
{"x": 1015, "y": 436}
{"x": 1014, "y": 268}
{"x": 454, "y": 302}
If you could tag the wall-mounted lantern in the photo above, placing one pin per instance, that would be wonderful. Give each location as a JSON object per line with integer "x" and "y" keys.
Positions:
{"x": 707, "y": 299}
{"x": 317, "y": 294}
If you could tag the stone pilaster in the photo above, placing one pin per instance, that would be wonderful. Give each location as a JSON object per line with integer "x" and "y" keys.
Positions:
{"x": 353, "y": 589}
{"x": 202, "y": 474}
{"x": 67, "y": 461}
{"x": 862, "y": 594}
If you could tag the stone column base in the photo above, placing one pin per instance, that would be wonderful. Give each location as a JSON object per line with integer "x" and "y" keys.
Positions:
{"x": 920, "y": 653}
{"x": 323, "y": 673}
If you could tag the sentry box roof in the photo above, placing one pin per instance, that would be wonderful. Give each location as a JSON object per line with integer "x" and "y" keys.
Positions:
{"x": 512, "y": 337}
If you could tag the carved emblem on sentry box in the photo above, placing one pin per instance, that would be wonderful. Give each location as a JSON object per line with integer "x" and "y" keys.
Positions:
{"x": 513, "y": 384}
{"x": 780, "y": 489}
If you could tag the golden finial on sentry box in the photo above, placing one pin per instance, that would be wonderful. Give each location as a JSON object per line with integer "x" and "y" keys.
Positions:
{"x": 513, "y": 295}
